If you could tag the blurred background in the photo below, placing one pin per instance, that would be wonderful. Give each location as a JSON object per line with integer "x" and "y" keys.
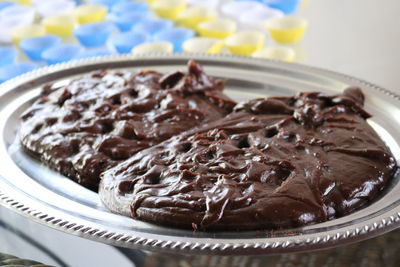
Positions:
{"x": 358, "y": 37}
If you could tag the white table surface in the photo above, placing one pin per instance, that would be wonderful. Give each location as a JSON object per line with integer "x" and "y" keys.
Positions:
{"x": 355, "y": 37}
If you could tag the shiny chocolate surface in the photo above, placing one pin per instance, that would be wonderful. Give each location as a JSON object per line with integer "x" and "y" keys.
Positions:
{"x": 276, "y": 162}
{"x": 95, "y": 121}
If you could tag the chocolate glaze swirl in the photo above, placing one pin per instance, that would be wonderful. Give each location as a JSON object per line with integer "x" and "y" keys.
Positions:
{"x": 96, "y": 121}
{"x": 272, "y": 163}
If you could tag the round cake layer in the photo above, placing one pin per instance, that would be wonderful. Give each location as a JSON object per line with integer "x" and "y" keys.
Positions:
{"x": 272, "y": 163}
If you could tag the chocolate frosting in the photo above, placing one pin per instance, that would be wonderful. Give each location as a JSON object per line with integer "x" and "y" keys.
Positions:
{"x": 272, "y": 163}
{"x": 96, "y": 121}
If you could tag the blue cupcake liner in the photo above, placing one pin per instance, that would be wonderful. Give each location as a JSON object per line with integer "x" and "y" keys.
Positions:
{"x": 152, "y": 26}
{"x": 34, "y": 47}
{"x": 286, "y": 6}
{"x": 130, "y": 6}
{"x": 61, "y": 53}
{"x": 176, "y": 36}
{"x": 108, "y": 3}
{"x": 124, "y": 42}
{"x": 14, "y": 70}
{"x": 8, "y": 55}
{"x": 125, "y": 21}
{"x": 94, "y": 34}
{"x": 6, "y": 4}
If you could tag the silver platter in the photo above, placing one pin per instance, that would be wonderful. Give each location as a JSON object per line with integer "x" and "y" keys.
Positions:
{"x": 44, "y": 196}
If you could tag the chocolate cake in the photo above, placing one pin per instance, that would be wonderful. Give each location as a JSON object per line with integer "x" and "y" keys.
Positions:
{"x": 272, "y": 163}
{"x": 96, "y": 121}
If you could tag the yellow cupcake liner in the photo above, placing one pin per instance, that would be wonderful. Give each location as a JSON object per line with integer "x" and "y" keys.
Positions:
{"x": 287, "y": 30}
{"x": 24, "y": 2}
{"x": 29, "y": 31}
{"x": 245, "y": 43}
{"x": 61, "y": 25}
{"x": 219, "y": 28}
{"x": 276, "y": 52}
{"x": 156, "y": 47}
{"x": 192, "y": 17}
{"x": 203, "y": 45}
{"x": 169, "y": 9}
{"x": 90, "y": 13}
